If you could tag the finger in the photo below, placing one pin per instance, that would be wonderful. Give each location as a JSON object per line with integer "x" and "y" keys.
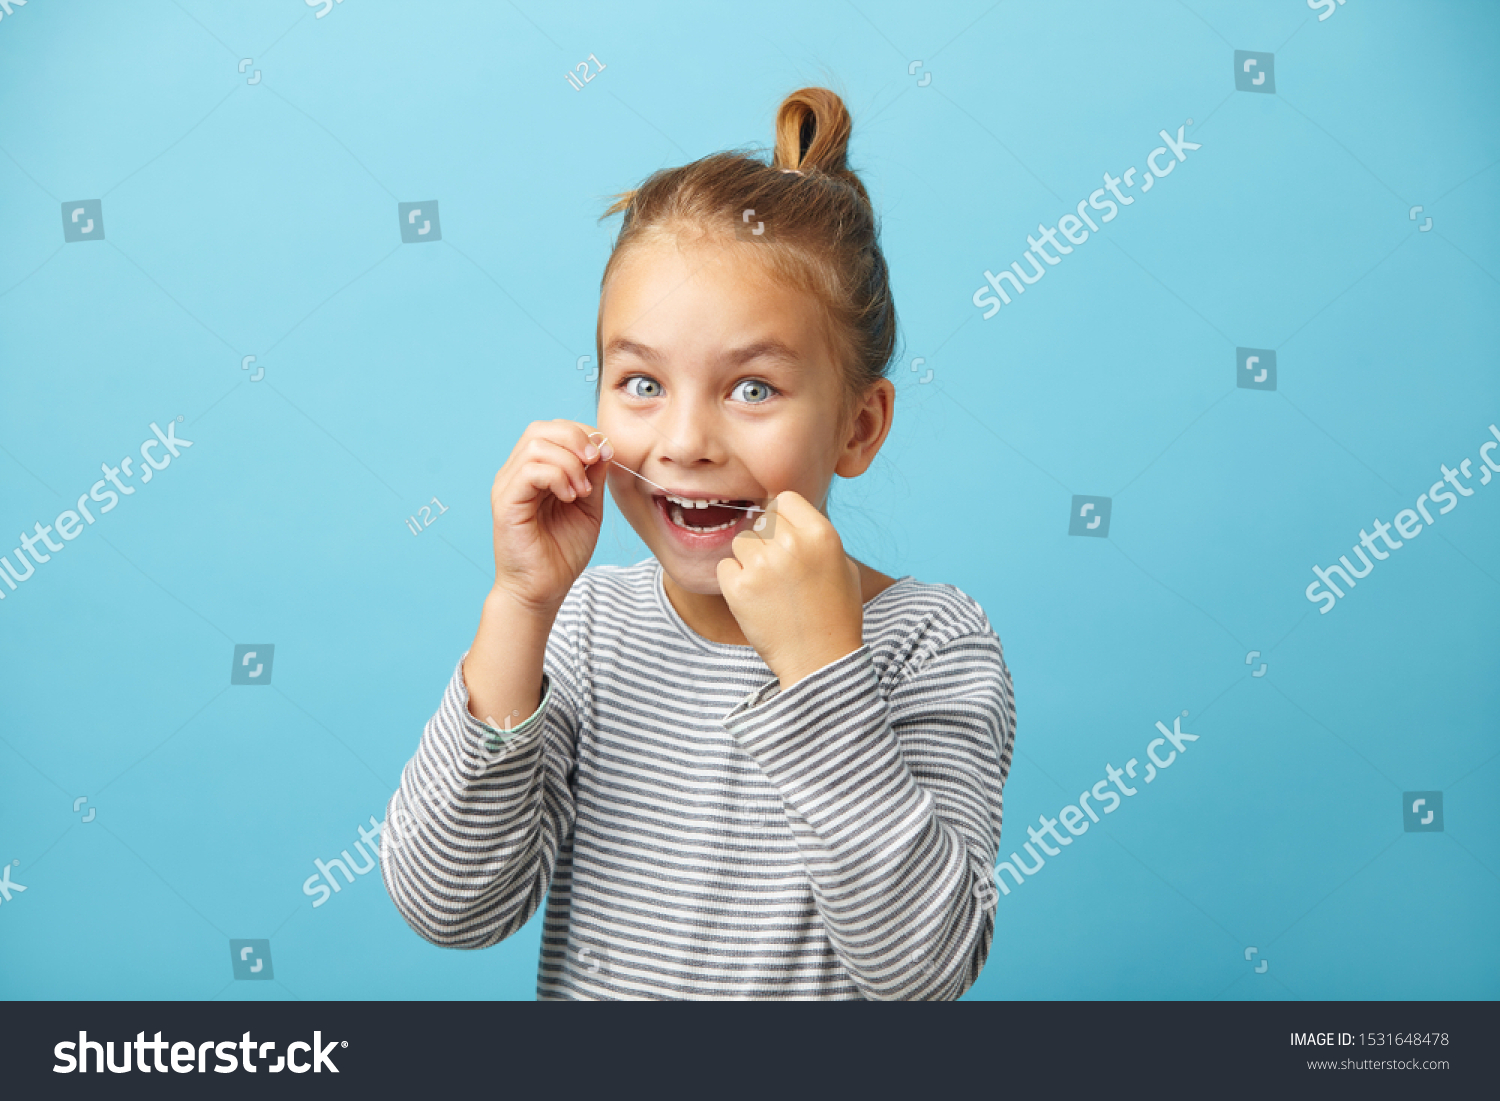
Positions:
{"x": 573, "y": 435}
{"x": 546, "y": 451}
{"x": 591, "y": 445}
{"x": 601, "y": 441}
{"x": 586, "y": 441}
{"x": 592, "y": 502}
{"x": 748, "y": 547}
{"x": 598, "y": 472}
{"x": 728, "y": 571}
{"x": 795, "y": 510}
{"x": 763, "y": 527}
{"x": 547, "y": 478}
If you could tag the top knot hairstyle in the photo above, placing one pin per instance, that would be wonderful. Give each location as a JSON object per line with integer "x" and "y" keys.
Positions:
{"x": 818, "y": 231}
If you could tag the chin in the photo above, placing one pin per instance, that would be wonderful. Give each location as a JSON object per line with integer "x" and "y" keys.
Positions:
{"x": 695, "y": 577}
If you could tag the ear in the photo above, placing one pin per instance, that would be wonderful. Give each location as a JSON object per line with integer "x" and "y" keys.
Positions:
{"x": 868, "y": 425}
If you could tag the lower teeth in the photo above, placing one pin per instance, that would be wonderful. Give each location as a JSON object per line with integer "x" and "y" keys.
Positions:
{"x": 680, "y": 522}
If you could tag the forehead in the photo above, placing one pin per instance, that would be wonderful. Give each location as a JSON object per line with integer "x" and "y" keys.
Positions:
{"x": 682, "y": 296}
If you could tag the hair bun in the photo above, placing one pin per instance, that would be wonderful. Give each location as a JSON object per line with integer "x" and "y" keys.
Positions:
{"x": 812, "y": 133}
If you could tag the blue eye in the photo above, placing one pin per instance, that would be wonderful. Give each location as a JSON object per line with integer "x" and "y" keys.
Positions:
{"x": 639, "y": 386}
{"x": 752, "y": 391}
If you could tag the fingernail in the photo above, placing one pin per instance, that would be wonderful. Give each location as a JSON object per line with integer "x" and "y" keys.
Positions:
{"x": 590, "y": 453}
{"x": 606, "y": 449}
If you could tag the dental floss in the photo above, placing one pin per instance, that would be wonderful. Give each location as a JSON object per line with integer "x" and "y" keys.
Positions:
{"x": 664, "y": 489}
{"x": 649, "y": 482}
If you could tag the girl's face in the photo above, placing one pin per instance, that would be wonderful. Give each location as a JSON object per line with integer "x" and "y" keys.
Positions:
{"x": 719, "y": 386}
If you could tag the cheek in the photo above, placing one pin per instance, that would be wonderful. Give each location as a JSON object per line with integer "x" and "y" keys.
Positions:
{"x": 800, "y": 457}
{"x": 624, "y": 489}
{"x": 634, "y": 508}
{"x": 626, "y": 435}
{"x": 606, "y": 418}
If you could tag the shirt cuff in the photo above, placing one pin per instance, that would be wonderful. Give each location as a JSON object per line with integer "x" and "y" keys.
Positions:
{"x": 490, "y": 740}
{"x": 758, "y": 705}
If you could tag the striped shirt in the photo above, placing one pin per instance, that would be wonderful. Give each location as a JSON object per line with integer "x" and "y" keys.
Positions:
{"x": 696, "y": 831}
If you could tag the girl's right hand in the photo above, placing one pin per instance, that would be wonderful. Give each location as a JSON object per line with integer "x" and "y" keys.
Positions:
{"x": 548, "y": 505}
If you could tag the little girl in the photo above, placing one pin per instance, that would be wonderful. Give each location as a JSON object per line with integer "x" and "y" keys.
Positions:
{"x": 749, "y": 766}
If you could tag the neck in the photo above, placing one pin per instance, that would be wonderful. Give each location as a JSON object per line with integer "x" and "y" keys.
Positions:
{"x": 708, "y": 613}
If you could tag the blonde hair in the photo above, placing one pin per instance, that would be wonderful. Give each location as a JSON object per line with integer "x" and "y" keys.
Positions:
{"x": 823, "y": 235}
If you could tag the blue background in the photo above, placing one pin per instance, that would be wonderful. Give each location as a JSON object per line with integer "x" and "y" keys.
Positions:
{"x": 260, "y": 219}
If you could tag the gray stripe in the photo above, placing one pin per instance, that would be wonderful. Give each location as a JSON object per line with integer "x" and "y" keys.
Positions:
{"x": 697, "y": 832}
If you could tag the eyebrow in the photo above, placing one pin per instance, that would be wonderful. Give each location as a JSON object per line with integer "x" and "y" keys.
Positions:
{"x": 769, "y": 348}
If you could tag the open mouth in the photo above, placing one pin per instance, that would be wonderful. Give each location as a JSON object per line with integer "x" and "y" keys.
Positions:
{"x": 705, "y": 515}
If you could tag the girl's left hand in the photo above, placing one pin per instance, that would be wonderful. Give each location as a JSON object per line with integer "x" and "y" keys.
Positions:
{"x": 796, "y": 594}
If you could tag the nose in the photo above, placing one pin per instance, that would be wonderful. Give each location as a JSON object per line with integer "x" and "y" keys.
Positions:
{"x": 689, "y": 430}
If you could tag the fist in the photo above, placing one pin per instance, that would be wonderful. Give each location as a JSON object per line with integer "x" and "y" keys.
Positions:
{"x": 793, "y": 590}
{"x": 548, "y": 505}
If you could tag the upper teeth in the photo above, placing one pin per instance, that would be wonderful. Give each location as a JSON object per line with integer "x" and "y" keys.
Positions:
{"x": 687, "y": 503}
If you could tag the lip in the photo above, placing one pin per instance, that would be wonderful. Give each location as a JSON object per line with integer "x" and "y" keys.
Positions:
{"x": 693, "y": 542}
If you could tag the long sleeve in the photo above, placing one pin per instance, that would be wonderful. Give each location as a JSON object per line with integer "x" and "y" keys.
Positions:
{"x": 472, "y": 834}
{"x": 893, "y": 793}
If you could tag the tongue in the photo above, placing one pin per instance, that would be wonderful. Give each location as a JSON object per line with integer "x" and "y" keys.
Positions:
{"x": 710, "y": 517}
